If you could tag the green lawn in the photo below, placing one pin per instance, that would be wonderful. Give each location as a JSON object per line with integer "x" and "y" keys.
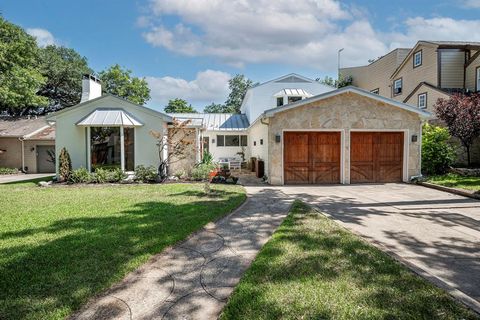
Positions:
{"x": 456, "y": 181}
{"x": 312, "y": 268}
{"x": 61, "y": 245}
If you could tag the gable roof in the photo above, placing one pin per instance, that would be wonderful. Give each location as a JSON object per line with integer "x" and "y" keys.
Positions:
{"x": 112, "y": 97}
{"x": 110, "y": 118}
{"x": 22, "y": 127}
{"x": 352, "y": 89}
{"x": 288, "y": 78}
{"x": 216, "y": 121}
{"x": 424, "y": 83}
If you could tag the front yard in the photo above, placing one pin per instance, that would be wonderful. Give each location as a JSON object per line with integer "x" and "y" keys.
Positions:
{"x": 456, "y": 181}
{"x": 312, "y": 268}
{"x": 60, "y": 246}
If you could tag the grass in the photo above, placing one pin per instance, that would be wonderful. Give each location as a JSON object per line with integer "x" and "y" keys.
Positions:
{"x": 314, "y": 269}
{"x": 456, "y": 181}
{"x": 61, "y": 245}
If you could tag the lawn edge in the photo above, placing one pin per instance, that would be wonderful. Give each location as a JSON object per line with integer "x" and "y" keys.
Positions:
{"x": 456, "y": 294}
{"x": 457, "y": 191}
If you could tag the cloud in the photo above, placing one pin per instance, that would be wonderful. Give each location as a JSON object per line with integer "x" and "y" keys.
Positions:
{"x": 471, "y": 4}
{"x": 43, "y": 36}
{"x": 304, "y": 33}
{"x": 207, "y": 87}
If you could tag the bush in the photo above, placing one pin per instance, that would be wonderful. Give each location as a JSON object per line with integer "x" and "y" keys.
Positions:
{"x": 100, "y": 176}
{"x": 64, "y": 165}
{"x": 8, "y": 171}
{"x": 207, "y": 157}
{"x": 80, "y": 175}
{"x": 201, "y": 171}
{"x": 116, "y": 175}
{"x": 146, "y": 174}
{"x": 180, "y": 174}
{"x": 437, "y": 154}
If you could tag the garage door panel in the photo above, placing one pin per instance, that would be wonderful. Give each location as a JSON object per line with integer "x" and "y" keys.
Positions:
{"x": 297, "y": 175}
{"x": 325, "y": 174}
{"x": 376, "y": 157}
{"x": 297, "y": 148}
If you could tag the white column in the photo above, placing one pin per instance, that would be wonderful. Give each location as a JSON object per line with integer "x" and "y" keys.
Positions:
{"x": 89, "y": 150}
{"x": 122, "y": 149}
{"x": 197, "y": 149}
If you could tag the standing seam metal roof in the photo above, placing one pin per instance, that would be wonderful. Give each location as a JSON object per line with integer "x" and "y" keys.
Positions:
{"x": 216, "y": 121}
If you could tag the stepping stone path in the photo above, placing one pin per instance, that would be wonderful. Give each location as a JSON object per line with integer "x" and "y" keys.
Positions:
{"x": 194, "y": 279}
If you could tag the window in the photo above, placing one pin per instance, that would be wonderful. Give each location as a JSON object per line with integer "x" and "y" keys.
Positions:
{"x": 417, "y": 59}
{"x": 261, "y": 141}
{"x": 422, "y": 100}
{"x": 397, "y": 86}
{"x": 254, "y": 143}
{"x": 279, "y": 101}
{"x": 375, "y": 91}
{"x": 477, "y": 87}
{"x": 293, "y": 99}
{"x": 232, "y": 140}
{"x": 105, "y": 148}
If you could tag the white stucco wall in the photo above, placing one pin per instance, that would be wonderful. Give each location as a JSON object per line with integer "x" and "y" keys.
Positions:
{"x": 74, "y": 137}
{"x": 257, "y": 132}
{"x": 219, "y": 152}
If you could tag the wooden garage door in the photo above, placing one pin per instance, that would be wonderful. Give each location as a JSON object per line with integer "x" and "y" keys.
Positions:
{"x": 376, "y": 157}
{"x": 311, "y": 157}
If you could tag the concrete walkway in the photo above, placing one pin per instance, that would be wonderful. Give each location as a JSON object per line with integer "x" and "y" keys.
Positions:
{"x": 437, "y": 234}
{"x": 23, "y": 177}
{"x": 193, "y": 279}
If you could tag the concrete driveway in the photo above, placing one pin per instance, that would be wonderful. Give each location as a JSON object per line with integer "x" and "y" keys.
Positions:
{"x": 436, "y": 233}
{"x": 23, "y": 177}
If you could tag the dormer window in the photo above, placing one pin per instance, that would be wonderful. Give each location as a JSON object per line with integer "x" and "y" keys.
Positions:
{"x": 279, "y": 101}
{"x": 286, "y": 96}
{"x": 417, "y": 59}
{"x": 292, "y": 99}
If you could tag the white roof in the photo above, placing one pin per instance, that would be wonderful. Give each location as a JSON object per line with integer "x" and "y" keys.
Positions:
{"x": 215, "y": 121}
{"x": 109, "y": 117}
{"x": 292, "y": 92}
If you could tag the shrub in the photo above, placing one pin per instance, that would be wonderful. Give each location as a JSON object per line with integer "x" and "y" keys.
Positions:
{"x": 437, "y": 154}
{"x": 100, "y": 175}
{"x": 8, "y": 171}
{"x": 180, "y": 174}
{"x": 80, "y": 175}
{"x": 202, "y": 171}
{"x": 64, "y": 165}
{"x": 207, "y": 157}
{"x": 116, "y": 175}
{"x": 146, "y": 174}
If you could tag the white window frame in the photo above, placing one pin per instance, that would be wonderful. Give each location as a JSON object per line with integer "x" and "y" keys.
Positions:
{"x": 477, "y": 80}
{"x": 225, "y": 140}
{"x": 375, "y": 91}
{"x": 415, "y": 55}
{"x": 422, "y": 95}
{"x": 395, "y": 93}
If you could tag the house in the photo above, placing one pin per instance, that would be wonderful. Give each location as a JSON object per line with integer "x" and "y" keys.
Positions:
{"x": 304, "y": 131}
{"x": 27, "y": 144}
{"x": 419, "y": 76}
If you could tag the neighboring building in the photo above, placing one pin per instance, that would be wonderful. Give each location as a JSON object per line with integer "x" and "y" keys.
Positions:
{"x": 27, "y": 144}
{"x": 304, "y": 131}
{"x": 422, "y": 74}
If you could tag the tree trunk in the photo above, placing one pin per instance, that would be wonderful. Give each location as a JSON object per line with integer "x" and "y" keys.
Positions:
{"x": 468, "y": 156}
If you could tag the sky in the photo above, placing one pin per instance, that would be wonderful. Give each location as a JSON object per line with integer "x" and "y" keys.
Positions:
{"x": 190, "y": 48}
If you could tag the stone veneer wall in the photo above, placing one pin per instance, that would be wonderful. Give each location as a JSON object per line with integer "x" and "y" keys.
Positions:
{"x": 186, "y": 164}
{"x": 346, "y": 111}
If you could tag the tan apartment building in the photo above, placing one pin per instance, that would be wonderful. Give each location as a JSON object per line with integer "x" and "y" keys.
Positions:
{"x": 419, "y": 76}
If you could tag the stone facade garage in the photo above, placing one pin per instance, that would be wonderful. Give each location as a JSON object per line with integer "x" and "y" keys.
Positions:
{"x": 344, "y": 136}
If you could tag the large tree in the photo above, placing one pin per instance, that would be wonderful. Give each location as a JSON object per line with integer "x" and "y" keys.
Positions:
{"x": 461, "y": 114}
{"x": 179, "y": 106}
{"x": 63, "y": 68}
{"x": 238, "y": 88}
{"x": 122, "y": 83}
{"x": 20, "y": 78}
{"x": 215, "y": 108}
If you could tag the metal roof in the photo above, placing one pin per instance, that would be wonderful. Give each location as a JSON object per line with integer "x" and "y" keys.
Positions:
{"x": 292, "y": 92}
{"x": 216, "y": 121}
{"x": 109, "y": 117}
{"x": 21, "y": 127}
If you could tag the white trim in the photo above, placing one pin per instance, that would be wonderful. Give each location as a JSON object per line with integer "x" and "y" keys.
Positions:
{"x": 424, "y": 101}
{"x": 477, "y": 79}
{"x": 406, "y": 145}
{"x": 35, "y": 132}
{"x": 415, "y": 64}
{"x": 122, "y": 149}
{"x": 342, "y": 149}
{"x": 89, "y": 150}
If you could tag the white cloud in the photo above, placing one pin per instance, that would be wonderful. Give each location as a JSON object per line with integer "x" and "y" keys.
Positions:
{"x": 43, "y": 36}
{"x": 300, "y": 33}
{"x": 207, "y": 87}
{"x": 471, "y": 4}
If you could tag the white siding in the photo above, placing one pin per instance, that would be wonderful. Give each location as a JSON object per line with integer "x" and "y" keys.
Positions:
{"x": 258, "y": 132}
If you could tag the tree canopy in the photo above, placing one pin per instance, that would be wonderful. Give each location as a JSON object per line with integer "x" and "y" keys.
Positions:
{"x": 179, "y": 106}
{"x": 63, "y": 69}
{"x": 215, "y": 108}
{"x": 20, "y": 78}
{"x": 238, "y": 88}
{"x": 340, "y": 83}
{"x": 122, "y": 83}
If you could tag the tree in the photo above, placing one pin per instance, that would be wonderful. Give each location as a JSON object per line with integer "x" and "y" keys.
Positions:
{"x": 238, "y": 88}
{"x": 342, "y": 82}
{"x": 20, "y": 78}
{"x": 437, "y": 154}
{"x": 215, "y": 108}
{"x": 121, "y": 83}
{"x": 176, "y": 140}
{"x": 64, "y": 165}
{"x": 63, "y": 68}
{"x": 461, "y": 114}
{"x": 179, "y": 106}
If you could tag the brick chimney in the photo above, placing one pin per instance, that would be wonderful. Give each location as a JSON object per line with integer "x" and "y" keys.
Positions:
{"x": 91, "y": 88}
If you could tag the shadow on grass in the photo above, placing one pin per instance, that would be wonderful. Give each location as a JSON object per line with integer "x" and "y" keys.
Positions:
{"x": 29, "y": 182}
{"x": 88, "y": 254}
{"x": 314, "y": 269}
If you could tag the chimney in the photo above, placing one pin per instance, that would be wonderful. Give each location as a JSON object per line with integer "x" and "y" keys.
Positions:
{"x": 91, "y": 88}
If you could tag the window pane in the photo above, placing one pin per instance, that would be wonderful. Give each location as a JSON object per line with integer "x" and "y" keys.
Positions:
{"x": 243, "y": 141}
{"x": 105, "y": 147}
{"x": 232, "y": 141}
{"x": 279, "y": 102}
{"x": 129, "y": 136}
{"x": 293, "y": 99}
{"x": 220, "y": 141}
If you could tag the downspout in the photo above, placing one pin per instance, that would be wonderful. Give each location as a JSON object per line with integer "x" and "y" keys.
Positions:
{"x": 22, "y": 139}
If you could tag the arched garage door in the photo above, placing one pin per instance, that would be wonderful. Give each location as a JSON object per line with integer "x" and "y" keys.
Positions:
{"x": 376, "y": 157}
{"x": 311, "y": 157}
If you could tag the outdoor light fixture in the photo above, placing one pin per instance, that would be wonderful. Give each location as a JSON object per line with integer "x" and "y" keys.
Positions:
{"x": 277, "y": 138}
{"x": 414, "y": 138}
{"x": 32, "y": 149}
